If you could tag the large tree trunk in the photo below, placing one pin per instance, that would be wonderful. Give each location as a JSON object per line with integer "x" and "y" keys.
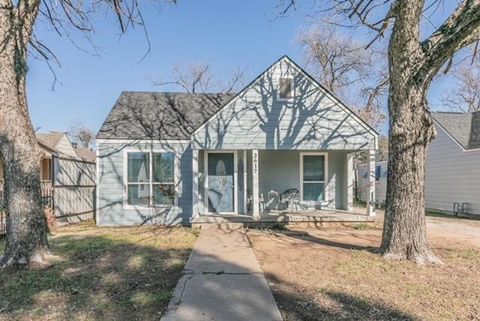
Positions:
{"x": 411, "y": 130}
{"x": 26, "y": 240}
{"x": 404, "y": 234}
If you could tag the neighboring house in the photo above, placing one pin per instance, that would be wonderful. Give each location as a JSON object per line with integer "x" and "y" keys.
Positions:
{"x": 67, "y": 176}
{"x": 172, "y": 158}
{"x": 452, "y": 166}
{"x": 380, "y": 182}
{"x": 453, "y": 163}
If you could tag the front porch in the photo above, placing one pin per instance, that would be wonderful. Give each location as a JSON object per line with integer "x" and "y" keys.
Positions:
{"x": 251, "y": 186}
{"x": 317, "y": 217}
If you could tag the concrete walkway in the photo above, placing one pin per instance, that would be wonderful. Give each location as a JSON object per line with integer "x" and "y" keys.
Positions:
{"x": 222, "y": 281}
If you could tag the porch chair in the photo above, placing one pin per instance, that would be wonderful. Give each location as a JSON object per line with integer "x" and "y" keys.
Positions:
{"x": 290, "y": 199}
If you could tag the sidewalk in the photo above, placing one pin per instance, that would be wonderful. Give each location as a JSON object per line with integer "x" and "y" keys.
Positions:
{"x": 222, "y": 281}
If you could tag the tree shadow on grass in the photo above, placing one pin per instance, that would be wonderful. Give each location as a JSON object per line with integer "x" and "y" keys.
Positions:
{"x": 96, "y": 278}
{"x": 301, "y": 305}
{"x": 304, "y": 236}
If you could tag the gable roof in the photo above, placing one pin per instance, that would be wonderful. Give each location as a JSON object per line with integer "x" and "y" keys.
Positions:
{"x": 49, "y": 139}
{"x": 309, "y": 77}
{"x": 464, "y": 128}
{"x": 176, "y": 116}
{"x": 160, "y": 115}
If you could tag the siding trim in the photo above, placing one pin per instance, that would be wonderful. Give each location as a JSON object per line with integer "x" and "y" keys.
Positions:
{"x": 97, "y": 183}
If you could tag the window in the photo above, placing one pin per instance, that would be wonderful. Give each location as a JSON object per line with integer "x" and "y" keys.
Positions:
{"x": 150, "y": 179}
{"x": 46, "y": 169}
{"x": 378, "y": 172}
{"x": 285, "y": 90}
{"x": 313, "y": 177}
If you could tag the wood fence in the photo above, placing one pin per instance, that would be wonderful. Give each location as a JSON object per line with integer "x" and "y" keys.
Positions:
{"x": 69, "y": 197}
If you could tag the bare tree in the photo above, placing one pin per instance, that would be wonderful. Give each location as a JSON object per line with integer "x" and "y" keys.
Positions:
{"x": 414, "y": 59}
{"x": 82, "y": 135}
{"x": 198, "y": 78}
{"x": 465, "y": 96}
{"x": 26, "y": 240}
{"x": 347, "y": 69}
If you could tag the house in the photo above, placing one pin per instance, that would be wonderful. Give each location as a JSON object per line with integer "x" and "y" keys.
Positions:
{"x": 362, "y": 180}
{"x": 172, "y": 158}
{"x": 67, "y": 177}
{"x": 452, "y": 166}
{"x": 453, "y": 163}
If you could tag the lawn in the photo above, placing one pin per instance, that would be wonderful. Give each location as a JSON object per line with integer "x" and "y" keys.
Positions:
{"x": 337, "y": 274}
{"x": 99, "y": 274}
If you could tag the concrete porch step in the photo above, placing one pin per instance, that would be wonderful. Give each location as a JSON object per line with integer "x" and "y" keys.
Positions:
{"x": 319, "y": 217}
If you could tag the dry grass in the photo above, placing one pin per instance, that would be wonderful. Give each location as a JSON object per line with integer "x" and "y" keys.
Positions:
{"x": 337, "y": 274}
{"x": 100, "y": 274}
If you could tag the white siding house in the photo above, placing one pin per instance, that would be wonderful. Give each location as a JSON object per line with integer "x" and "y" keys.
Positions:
{"x": 380, "y": 182}
{"x": 453, "y": 163}
{"x": 452, "y": 166}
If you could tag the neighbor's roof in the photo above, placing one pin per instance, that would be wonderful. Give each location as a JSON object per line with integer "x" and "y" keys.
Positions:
{"x": 159, "y": 115}
{"x": 86, "y": 154}
{"x": 463, "y": 127}
{"x": 49, "y": 140}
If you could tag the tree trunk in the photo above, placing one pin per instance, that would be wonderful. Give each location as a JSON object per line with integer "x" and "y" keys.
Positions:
{"x": 411, "y": 130}
{"x": 404, "y": 232}
{"x": 26, "y": 240}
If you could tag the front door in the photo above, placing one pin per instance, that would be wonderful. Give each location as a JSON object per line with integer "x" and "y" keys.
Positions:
{"x": 220, "y": 182}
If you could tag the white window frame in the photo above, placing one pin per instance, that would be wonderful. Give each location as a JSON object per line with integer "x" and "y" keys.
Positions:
{"x": 292, "y": 89}
{"x": 235, "y": 179}
{"x": 325, "y": 168}
{"x": 150, "y": 183}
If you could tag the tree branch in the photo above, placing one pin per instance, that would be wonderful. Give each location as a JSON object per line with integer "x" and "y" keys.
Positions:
{"x": 461, "y": 29}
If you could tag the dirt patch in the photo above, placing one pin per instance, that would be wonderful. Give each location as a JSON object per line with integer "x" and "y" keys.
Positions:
{"x": 337, "y": 274}
{"x": 100, "y": 274}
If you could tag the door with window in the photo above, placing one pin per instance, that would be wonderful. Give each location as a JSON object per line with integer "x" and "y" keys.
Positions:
{"x": 313, "y": 177}
{"x": 220, "y": 182}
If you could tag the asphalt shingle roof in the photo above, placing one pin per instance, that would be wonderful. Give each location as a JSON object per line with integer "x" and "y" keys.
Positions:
{"x": 86, "y": 154}
{"x": 463, "y": 127}
{"x": 49, "y": 139}
{"x": 160, "y": 115}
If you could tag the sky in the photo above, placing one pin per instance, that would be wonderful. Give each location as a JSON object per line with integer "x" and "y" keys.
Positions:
{"x": 228, "y": 35}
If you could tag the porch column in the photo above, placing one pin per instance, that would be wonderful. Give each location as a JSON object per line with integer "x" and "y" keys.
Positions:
{"x": 255, "y": 189}
{"x": 349, "y": 158}
{"x": 195, "y": 209}
{"x": 371, "y": 182}
{"x": 245, "y": 169}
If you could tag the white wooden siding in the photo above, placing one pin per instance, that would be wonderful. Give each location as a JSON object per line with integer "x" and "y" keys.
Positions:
{"x": 452, "y": 175}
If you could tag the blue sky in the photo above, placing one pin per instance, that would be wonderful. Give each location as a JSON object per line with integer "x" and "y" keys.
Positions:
{"x": 227, "y": 34}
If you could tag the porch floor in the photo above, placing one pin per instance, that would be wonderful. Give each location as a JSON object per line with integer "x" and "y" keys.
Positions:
{"x": 286, "y": 217}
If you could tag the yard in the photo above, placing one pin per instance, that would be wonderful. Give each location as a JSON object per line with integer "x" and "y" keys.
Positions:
{"x": 100, "y": 274}
{"x": 336, "y": 274}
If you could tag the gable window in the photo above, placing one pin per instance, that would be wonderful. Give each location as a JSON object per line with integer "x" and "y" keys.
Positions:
{"x": 150, "y": 179}
{"x": 285, "y": 89}
{"x": 313, "y": 177}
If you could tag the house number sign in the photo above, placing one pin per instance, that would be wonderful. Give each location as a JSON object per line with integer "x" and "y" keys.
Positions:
{"x": 255, "y": 163}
